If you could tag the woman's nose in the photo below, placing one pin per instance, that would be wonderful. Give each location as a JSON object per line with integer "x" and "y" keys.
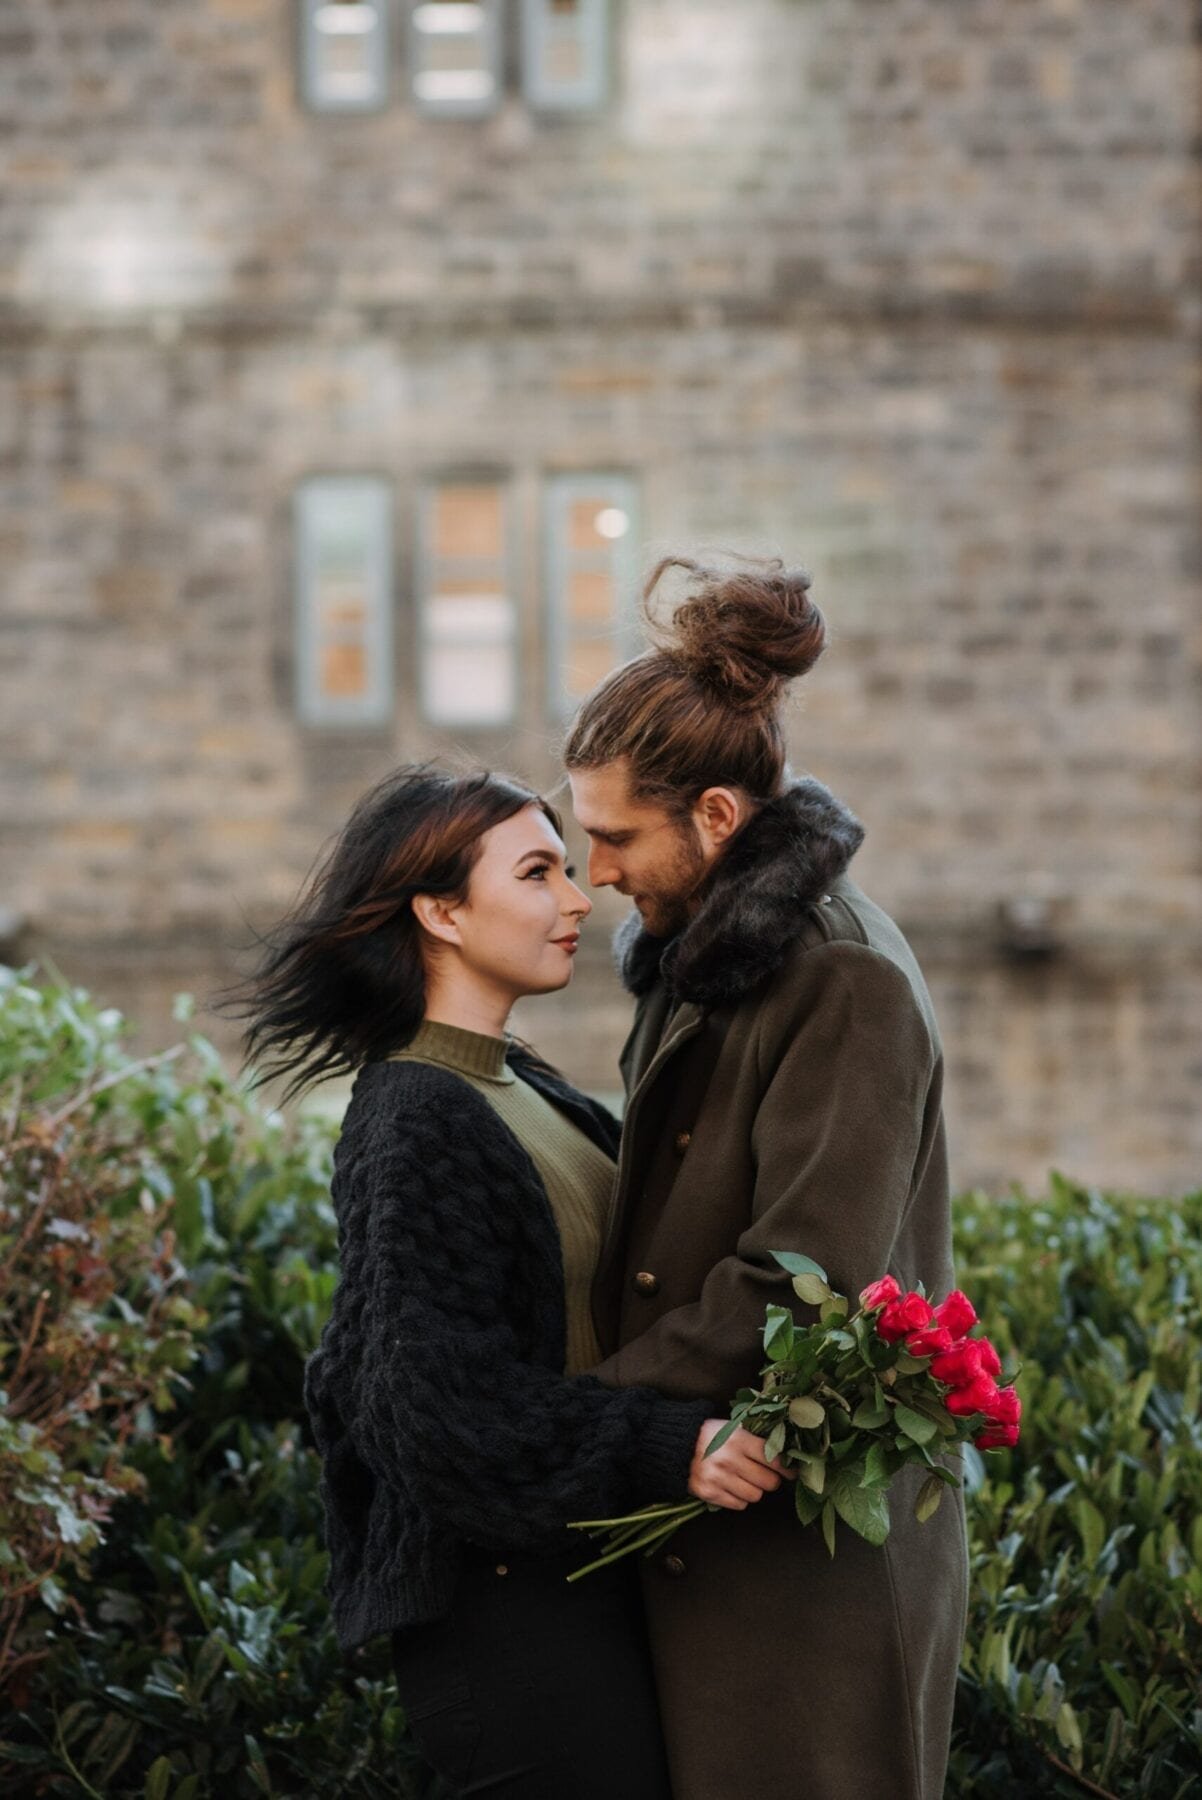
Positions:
{"x": 579, "y": 902}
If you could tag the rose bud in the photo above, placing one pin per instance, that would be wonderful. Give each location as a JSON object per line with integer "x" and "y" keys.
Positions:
{"x": 1005, "y": 1407}
{"x": 997, "y": 1437}
{"x": 904, "y": 1315}
{"x": 1003, "y": 1428}
{"x": 929, "y": 1340}
{"x": 991, "y": 1362}
{"x": 957, "y": 1313}
{"x": 959, "y": 1365}
{"x": 879, "y": 1293}
{"x": 978, "y": 1396}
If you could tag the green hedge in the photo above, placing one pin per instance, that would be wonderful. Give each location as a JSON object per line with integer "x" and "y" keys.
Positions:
{"x": 170, "y": 1639}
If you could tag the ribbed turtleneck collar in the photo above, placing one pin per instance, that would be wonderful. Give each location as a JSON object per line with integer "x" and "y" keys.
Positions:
{"x": 467, "y": 1052}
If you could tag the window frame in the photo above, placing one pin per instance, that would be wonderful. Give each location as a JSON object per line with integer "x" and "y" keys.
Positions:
{"x": 561, "y": 487}
{"x": 376, "y": 708}
{"x": 425, "y": 565}
{"x": 493, "y": 41}
{"x": 309, "y": 38}
{"x": 592, "y": 91}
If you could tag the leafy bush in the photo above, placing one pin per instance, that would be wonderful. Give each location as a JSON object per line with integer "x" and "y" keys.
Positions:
{"x": 175, "y": 1642}
{"x": 171, "y": 1639}
{"x": 1084, "y": 1652}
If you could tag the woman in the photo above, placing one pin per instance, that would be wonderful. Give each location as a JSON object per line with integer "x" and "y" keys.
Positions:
{"x": 457, "y": 1430}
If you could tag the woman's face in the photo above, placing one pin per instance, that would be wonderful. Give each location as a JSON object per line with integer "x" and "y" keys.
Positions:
{"x": 518, "y": 928}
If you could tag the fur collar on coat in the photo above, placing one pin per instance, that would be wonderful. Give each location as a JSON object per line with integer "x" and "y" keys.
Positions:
{"x": 754, "y": 905}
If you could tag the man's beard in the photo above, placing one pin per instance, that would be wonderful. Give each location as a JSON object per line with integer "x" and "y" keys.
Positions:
{"x": 664, "y": 908}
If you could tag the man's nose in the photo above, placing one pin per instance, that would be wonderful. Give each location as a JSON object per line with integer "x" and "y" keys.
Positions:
{"x": 601, "y": 868}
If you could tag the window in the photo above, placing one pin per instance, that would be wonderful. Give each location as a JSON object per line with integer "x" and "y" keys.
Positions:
{"x": 344, "y": 54}
{"x": 565, "y": 53}
{"x": 590, "y": 580}
{"x": 455, "y": 55}
{"x": 468, "y": 624}
{"x": 343, "y": 531}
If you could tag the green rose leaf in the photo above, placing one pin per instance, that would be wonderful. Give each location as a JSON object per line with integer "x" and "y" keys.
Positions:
{"x": 774, "y": 1443}
{"x": 778, "y": 1333}
{"x": 869, "y": 1414}
{"x": 807, "y": 1504}
{"x": 813, "y": 1289}
{"x": 929, "y": 1496}
{"x": 828, "y": 1525}
{"x": 914, "y": 1425}
{"x": 876, "y": 1466}
{"x": 813, "y": 1474}
{"x": 806, "y": 1412}
{"x": 866, "y": 1510}
{"x": 797, "y": 1265}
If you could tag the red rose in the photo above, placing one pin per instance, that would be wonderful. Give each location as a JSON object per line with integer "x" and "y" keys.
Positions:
{"x": 929, "y": 1341}
{"x": 879, "y": 1293}
{"x": 991, "y": 1362}
{"x": 997, "y": 1437}
{"x": 979, "y": 1395}
{"x": 903, "y": 1315}
{"x": 960, "y": 1365}
{"x": 1004, "y": 1412}
{"x": 957, "y": 1313}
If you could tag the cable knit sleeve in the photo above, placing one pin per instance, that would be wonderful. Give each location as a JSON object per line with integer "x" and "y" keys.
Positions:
{"x": 449, "y": 1405}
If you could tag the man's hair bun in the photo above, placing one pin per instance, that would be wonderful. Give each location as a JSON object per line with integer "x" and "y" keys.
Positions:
{"x": 743, "y": 632}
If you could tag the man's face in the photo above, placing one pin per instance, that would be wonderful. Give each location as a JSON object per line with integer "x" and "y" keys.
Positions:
{"x": 638, "y": 847}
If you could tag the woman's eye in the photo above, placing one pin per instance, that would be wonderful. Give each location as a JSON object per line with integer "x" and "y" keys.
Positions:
{"x": 538, "y": 869}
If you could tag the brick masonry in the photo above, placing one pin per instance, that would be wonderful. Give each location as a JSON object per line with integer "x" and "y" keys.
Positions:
{"x": 904, "y": 289}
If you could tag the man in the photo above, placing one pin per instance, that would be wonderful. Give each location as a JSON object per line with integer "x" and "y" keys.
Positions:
{"x": 784, "y": 1082}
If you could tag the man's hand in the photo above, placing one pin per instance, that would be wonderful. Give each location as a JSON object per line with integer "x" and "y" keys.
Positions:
{"x": 736, "y": 1474}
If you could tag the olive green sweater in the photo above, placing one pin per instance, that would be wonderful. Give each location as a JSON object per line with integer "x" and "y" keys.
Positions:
{"x": 577, "y": 1175}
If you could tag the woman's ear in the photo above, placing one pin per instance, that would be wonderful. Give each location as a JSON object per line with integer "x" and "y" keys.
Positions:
{"x": 436, "y": 915}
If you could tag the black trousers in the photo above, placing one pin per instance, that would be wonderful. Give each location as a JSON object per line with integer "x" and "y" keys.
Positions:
{"x": 535, "y": 1689}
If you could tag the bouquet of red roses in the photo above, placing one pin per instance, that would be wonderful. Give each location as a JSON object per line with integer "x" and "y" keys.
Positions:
{"x": 848, "y": 1401}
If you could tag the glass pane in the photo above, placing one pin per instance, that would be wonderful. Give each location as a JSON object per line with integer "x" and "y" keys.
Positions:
{"x": 469, "y": 619}
{"x": 343, "y": 671}
{"x": 588, "y": 663}
{"x": 468, "y": 521}
{"x": 590, "y": 597}
{"x": 468, "y": 684}
{"x": 563, "y": 60}
{"x": 595, "y": 524}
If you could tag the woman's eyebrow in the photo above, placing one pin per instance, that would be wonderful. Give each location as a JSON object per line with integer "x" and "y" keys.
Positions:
{"x": 548, "y": 855}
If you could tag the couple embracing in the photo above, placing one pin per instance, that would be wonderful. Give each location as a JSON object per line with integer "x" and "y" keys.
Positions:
{"x": 542, "y": 1316}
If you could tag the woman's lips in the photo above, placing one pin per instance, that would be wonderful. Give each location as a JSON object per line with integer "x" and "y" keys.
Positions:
{"x": 570, "y": 944}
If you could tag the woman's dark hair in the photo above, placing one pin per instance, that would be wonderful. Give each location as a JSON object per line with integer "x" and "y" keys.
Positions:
{"x": 703, "y": 707}
{"x": 342, "y": 981}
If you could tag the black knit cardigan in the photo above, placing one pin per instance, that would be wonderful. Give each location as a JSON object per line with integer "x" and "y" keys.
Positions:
{"x": 437, "y": 1396}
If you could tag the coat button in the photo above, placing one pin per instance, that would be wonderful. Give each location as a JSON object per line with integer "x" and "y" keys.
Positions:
{"x": 674, "y": 1565}
{"x": 826, "y": 899}
{"x": 683, "y": 1140}
{"x": 646, "y": 1283}
{"x": 502, "y": 1568}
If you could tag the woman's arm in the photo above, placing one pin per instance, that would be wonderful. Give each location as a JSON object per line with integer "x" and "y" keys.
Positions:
{"x": 442, "y": 1401}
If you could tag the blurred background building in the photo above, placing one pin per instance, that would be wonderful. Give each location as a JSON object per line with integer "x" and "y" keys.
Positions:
{"x": 358, "y": 355}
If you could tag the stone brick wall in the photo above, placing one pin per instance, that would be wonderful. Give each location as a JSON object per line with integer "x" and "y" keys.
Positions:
{"x": 904, "y": 289}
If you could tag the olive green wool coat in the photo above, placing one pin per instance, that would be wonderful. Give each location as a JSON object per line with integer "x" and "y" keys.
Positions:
{"x": 784, "y": 1079}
